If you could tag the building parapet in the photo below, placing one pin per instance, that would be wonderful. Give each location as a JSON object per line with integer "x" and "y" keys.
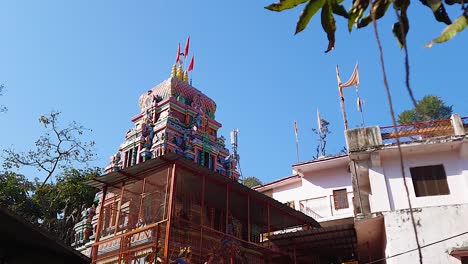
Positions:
{"x": 365, "y": 138}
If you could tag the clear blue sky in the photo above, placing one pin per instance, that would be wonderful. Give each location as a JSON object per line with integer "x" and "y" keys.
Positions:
{"x": 93, "y": 59}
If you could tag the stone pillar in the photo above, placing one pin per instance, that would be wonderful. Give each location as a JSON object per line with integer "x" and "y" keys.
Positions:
{"x": 380, "y": 195}
{"x": 361, "y": 186}
{"x": 363, "y": 138}
{"x": 457, "y": 125}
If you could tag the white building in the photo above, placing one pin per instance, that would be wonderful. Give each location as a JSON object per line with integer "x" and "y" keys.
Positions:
{"x": 320, "y": 188}
{"x": 435, "y": 167}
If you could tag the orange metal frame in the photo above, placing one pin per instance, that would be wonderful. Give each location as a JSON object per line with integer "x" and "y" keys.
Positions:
{"x": 124, "y": 236}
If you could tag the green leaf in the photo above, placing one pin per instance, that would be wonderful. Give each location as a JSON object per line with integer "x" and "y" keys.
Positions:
{"x": 328, "y": 25}
{"x": 400, "y": 30}
{"x": 379, "y": 8}
{"x": 309, "y": 11}
{"x": 451, "y": 30}
{"x": 285, "y": 4}
{"x": 438, "y": 9}
{"x": 358, "y": 8}
{"x": 339, "y": 9}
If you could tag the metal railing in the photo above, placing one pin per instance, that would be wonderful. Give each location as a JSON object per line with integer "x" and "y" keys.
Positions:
{"x": 419, "y": 131}
{"x": 321, "y": 208}
{"x": 465, "y": 122}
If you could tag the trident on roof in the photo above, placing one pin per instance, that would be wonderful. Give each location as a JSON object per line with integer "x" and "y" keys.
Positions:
{"x": 353, "y": 81}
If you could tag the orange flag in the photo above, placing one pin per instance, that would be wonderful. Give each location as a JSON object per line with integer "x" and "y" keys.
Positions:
{"x": 187, "y": 45}
{"x": 354, "y": 79}
{"x": 190, "y": 67}
{"x": 178, "y": 54}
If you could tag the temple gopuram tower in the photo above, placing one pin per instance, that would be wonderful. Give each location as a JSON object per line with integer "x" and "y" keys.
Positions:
{"x": 171, "y": 192}
{"x": 176, "y": 117}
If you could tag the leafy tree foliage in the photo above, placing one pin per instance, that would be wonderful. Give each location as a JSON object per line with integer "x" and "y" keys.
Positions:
{"x": 357, "y": 16}
{"x": 2, "y": 107}
{"x": 61, "y": 203}
{"x": 58, "y": 147}
{"x": 251, "y": 181}
{"x": 16, "y": 194}
{"x": 322, "y": 134}
{"x": 430, "y": 107}
{"x": 55, "y": 207}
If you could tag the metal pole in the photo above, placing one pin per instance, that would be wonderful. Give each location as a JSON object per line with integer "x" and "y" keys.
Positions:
{"x": 170, "y": 212}
{"x": 248, "y": 219}
{"x": 268, "y": 211}
{"x": 360, "y": 107}
{"x": 141, "y": 199}
{"x": 342, "y": 105}
{"x": 297, "y": 150}
{"x": 201, "y": 214}
{"x": 227, "y": 207}
{"x": 119, "y": 209}
{"x": 99, "y": 225}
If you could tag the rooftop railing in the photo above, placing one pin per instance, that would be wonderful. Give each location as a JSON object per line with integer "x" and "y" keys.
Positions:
{"x": 364, "y": 138}
{"x": 465, "y": 123}
{"x": 419, "y": 131}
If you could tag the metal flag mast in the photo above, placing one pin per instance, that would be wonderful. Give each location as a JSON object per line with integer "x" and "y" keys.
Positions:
{"x": 359, "y": 106}
{"x": 235, "y": 154}
{"x": 342, "y": 103}
{"x": 297, "y": 140}
{"x": 353, "y": 81}
{"x": 319, "y": 128}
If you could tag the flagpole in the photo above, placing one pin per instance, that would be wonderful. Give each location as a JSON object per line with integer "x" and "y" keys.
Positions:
{"x": 319, "y": 128}
{"x": 342, "y": 105}
{"x": 296, "y": 132}
{"x": 345, "y": 119}
{"x": 297, "y": 150}
{"x": 360, "y": 107}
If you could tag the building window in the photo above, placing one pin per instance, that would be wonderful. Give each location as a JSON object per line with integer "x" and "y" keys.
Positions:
{"x": 340, "y": 199}
{"x": 429, "y": 180}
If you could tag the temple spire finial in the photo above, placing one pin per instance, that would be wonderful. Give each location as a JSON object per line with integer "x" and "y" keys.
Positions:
{"x": 186, "y": 78}
{"x": 173, "y": 71}
{"x": 180, "y": 72}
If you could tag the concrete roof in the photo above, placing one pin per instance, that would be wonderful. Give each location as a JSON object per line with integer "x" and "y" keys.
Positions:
{"x": 321, "y": 164}
{"x": 20, "y": 237}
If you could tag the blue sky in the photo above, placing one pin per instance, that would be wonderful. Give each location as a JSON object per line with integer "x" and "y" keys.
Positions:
{"x": 93, "y": 59}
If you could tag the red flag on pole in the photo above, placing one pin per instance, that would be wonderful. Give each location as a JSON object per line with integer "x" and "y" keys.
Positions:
{"x": 190, "y": 67}
{"x": 187, "y": 45}
{"x": 178, "y": 54}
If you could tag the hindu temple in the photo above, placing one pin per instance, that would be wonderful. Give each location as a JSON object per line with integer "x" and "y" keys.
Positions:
{"x": 171, "y": 193}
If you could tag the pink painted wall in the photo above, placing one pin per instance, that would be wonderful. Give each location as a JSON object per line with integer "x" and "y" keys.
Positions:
{"x": 456, "y": 169}
{"x": 315, "y": 190}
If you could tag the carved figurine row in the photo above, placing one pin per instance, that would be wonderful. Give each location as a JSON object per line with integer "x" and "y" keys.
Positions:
{"x": 151, "y": 141}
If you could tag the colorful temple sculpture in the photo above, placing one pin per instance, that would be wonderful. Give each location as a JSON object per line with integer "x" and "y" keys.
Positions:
{"x": 176, "y": 117}
{"x": 171, "y": 193}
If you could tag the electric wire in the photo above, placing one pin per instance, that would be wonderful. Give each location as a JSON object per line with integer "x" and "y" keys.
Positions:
{"x": 414, "y": 249}
{"x": 392, "y": 114}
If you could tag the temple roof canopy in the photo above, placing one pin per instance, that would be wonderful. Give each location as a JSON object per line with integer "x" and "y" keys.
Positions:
{"x": 175, "y": 87}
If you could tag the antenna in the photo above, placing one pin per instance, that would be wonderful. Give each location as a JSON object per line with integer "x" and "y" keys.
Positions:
{"x": 234, "y": 142}
{"x": 234, "y": 154}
